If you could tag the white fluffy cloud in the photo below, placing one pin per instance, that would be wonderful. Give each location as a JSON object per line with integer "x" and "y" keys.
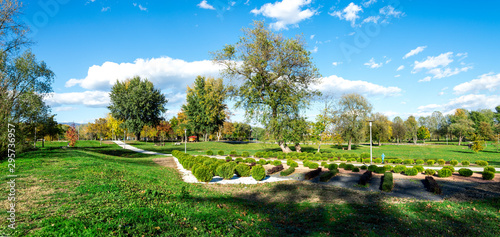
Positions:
{"x": 315, "y": 49}
{"x": 490, "y": 82}
{"x": 204, "y": 4}
{"x": 400, "y": 68}
{"x": 140, "y": 7}
{"x": 367, "y": 3}
{"x": 389, "y": 11}
{"x": 373, "y": 64}
{"x": 442, "y": 60}
{"x": 350, "y": 13}
{"x": 339, "y": 86}
{"x": 447, "y": 72}
{"x": 164, "y": 72}
{"x": 286, "y": 12}
{"x": 470, "y": 102}
{"x": 87, "y": 98}
{"x": 414, "y": 52}
{"x": 373, "y": 19}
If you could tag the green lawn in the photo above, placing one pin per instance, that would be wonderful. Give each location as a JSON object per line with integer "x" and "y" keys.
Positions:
{"x": 97, "y": 190}
{"x": 446, "y": 152}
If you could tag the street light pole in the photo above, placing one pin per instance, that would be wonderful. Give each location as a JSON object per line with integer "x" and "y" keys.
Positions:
{"x": 185, "y": 142}
{"x": 370, "y": 141}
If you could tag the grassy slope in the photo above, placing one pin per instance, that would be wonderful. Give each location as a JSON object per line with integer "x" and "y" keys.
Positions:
{"x": 451, "y": 152}
{"x": 89, "y": 192}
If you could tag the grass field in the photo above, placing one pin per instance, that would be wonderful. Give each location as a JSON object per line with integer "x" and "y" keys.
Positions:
{"x": 94, "y": 190}
{"x": 446, "y": 152}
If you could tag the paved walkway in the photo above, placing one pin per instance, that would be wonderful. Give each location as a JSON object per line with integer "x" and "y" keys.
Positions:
{"x": 129, "y": 147}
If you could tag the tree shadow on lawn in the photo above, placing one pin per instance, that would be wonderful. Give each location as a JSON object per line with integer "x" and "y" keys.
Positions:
{"x": 353, "y": 147}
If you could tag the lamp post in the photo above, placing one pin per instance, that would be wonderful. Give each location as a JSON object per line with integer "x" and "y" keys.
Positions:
{"x": 370, "y": 141}
{"x": 185, "y": 143}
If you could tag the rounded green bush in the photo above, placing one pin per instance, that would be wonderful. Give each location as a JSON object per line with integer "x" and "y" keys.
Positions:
{"x": 399, "y": 168}
{"x": 465, "y": 163}
{"x": 419, "y": 162}
{"x": 313, "y": 165}
{"x": 451, "y": 168}
{"x": 194, "y": 167}
{"x": 203, "y": 174}
{"x": 261, "y": 162}
{"x": 367, "y": 160}
{"x": 355, "y": 169}
{"x": 397, "y": 161}
{"x": 332, "y": 166}
{"x": 408, "y": 161}
{"x": 345, "y": 155}
{"x": 239, "y": 159}
{"x": 226, "y": 170}
{"x": 487, "y": 175}
{"x": 242, "y": 170}
{"x": 323, "y": 164}
{"x": 372, "y": 168}
{"x": 245, "y": 154}
{"x": 490, "y": 169}
{"x": 221, "y": 153}
{"x": 250, "y": 160}
{"x": 430, "y": 162}
{"x": 481, "y": 163}
{"x": 440, "y": 162}
{"x": 388, "y": 168}
{"x": 363, "y": 167}
{"x": 365, "y": 155}
{"x": 444, "y": 173}
{"x": 380, "y": 170}
{"x": 258, "y": 172}
{"x": 343, "y": 159}
{"x": 354, "y": 155}
{"x": 233, "y": 153}
{"x": 277, "y": 162}
{"x": 411, "y": 171}
{"x": 342, "y": 165}
{"x": 292, "y": 163}
{"x": 258, "y": 154}
{"x": 349, "y": 167}
{"x": 465, "y": 172}
{"x": 378, "y": 160}
{"x": 210, "y": 153}
{"x": 419, "y": 168}
{"x": 454, "y": 162}
{"x": 430, "y": 172}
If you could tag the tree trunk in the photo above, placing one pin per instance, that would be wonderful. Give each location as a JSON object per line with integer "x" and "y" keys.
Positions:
{"x": 284, "y": 147}
{"x": 415, "y": 140}
{"x": 349, "y": 144}
{"x": 138, "y": 136}
{"x": 319, "y": 146}
{"x": 459, "y": 140}
{"x": 378, "y": 142}
{"x": 298, "y": 148}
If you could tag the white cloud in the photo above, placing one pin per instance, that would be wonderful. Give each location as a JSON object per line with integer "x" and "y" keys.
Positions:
{"x": 490, "y": 82}
{"x": 339, "y": 86}
{"x": 390, "y": 11}
{"x": 164, "y": 72}
{"x": 373, "y": 64}
{"x": 425, "y": 79}
{"x": 414, "y": 51}
{"x": 400, "y": 68}
{"x": 315, "y": 49}
{"x": 350, "y": 13}
{"x": 441, "y": 93}
{"x": 312, "y": 36}
{"x": 433, "y": 62}
{"x": 397, "y": 75}
{"x": 63, "y": 109}
{"x": 447, "y": 72}
{"x": 203, "y": 4}
{"x": 140, "y": 7}
{"x": 105, "y": 9}
{"x": 336, "y": 63}
{"x": 367, "y": 3}
{"x": 286, "y": 12}
{"x": 373, "y": 19}
{"x": 470, "y": 102}
{"x": 87, "y": 98}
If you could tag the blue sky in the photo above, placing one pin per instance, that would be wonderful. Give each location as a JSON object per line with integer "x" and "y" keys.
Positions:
{"x": 406, "y": 57}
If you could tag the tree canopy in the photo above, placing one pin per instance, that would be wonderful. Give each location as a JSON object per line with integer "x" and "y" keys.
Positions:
{"x": 353, "y": 110}
{"x": 138, "y": 103}
{"x": 274, "y": 76}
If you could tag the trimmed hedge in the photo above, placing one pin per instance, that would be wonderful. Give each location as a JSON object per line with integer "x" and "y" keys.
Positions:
{"x": 245, "y": 154}
{"x": 261, "y": 162}
{"x": 388, "y": 168}
{"x": 465, "y": 172}
{"x": 444, "y": 173}
{"x": 408, "y": 161}
{"x": 488, "y": 175}
{"x": 210, "y": 153}
{"x": 239, "y": 159}
{"x": 277, "y": 162}
{"x": 349, "y": 167}
{"x": 490, "y": 169}
{"x": 250, "y": 160}
{"x": 221, "y": 153}
{"x": 288, "y": 171}
{"x": 387, "y": 182}
{"x": 311, "y": 165}
{"x": 430, "y": 172}
{"x": 233, "y": 153}
{"x": 379, "y": 170}
{"x": 419, "y": 162}
{"x": 451, "y": 168}
{"x": 440, "y": 162}
{"x": 419, "y": 168}
{"x": 430, "y": 162}
{"x": 226, "y": 170}
{"x": 203, "y": 174}
{"x": 242, "y": 170}
{"x": 432, "y": 185}
{"x": 312, "y": 174}
{"x": 481, "y": 163}
{"x": 324, "y": 177}
{"x": 333, "y": 166}
{"x": 411, "y": 171}
{"x": 399, "y": 168}
{"x": 292, "y": 163}
{"x": 363, "y": 167}
{"x": 454, "y": 162}
{"x": 378, "y": 160}
{"x": 372, "y": 167}
{"x": 465, "y": 163}
{"x": 258, "y": 172}
{"x": 365, "y": 177}
{"x": 355, "y": 169}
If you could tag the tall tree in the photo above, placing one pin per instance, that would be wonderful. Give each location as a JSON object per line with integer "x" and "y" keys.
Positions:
{"x": 353, "y": 109}
{"x": 461, "y": 125}
{"x": 275, "y": 76}
{"x": 398, "y": 129}
{"x": 411, "y": 126}
{"x": 114, "y": 128}
{"x": 138, "y": 103}
{"x": 423, "y": 133}
{"x": 164, "y": 129}
{"x": 381, "y": 128}
{"x": 437, "y": 124}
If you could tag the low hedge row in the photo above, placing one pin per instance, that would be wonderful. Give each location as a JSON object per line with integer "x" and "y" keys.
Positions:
{"x": 288, "y": 171}
{"x": 387, "y": 182}
{"x": 325, "y": 177}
